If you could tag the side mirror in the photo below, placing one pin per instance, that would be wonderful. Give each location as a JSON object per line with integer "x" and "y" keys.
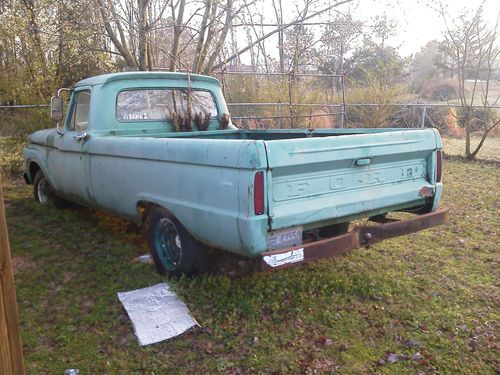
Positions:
{"x": 56, "y": 108}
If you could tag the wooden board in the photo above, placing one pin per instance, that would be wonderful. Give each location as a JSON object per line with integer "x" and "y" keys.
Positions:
{"x": 11, "y": 351}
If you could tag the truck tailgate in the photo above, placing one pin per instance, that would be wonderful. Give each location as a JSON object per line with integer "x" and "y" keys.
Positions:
{"x": 322, "y": 180}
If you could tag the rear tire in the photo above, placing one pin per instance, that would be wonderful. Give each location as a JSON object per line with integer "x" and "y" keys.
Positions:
{"x": 173, "y": 249}
{"x": 334, "y": 230}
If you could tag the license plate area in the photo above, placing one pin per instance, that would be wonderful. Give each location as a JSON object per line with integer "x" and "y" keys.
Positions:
{"x": 283, "y": 238}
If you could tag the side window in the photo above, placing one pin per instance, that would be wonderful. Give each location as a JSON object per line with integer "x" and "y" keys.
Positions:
{"x": 80, "y": 116}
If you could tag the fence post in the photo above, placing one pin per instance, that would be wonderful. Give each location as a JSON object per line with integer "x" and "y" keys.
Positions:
{"x": 11, "y": 352}
{"x": 422, "y": 120}
{"x": 279, "y": 114}
{"x": 342, "y": 109}
{"x": 342, "y": 115}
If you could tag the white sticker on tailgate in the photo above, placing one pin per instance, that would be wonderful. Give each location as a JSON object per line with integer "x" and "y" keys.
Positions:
{"x": 292, "y": 256}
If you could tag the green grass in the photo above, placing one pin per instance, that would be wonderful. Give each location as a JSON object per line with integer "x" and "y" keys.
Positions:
{"x": 493, "y": 92}
{"x": 438, "y": 288}
{"x": 489, "y": 151}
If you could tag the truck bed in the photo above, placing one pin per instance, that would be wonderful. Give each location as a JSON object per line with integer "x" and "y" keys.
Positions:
{"x": 267, "y": 135}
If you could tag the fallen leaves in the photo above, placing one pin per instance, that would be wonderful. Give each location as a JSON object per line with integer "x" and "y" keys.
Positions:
{"x": 21, "y": 263}
{"x": 412, "y": 343}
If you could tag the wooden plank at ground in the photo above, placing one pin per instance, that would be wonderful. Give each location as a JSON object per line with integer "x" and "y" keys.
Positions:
{"x": 5, "y": 357}
{"x": 11, "y": 351}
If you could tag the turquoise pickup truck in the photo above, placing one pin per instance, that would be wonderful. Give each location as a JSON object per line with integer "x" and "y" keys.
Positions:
{"x": 160, "y": 148}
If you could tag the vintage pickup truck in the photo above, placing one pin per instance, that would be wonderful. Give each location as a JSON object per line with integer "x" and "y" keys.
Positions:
{"x": 160, "y": 148}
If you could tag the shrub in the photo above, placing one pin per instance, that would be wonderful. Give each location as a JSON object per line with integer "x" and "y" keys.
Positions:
{"x": 15, "y": 126}
{"x": 275, "y": 89}
{"x": 378, "y": 116}
{"x": 11, "y": 154}
{"x": 480, "y": 118}
{"x": 445, "y": 120}
{"x": 23, "y": 121}
{"x": 439, "y": 90}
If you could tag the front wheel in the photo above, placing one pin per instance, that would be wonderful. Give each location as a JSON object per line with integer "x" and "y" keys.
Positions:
{"x": 41, "y": 188}
{"x": 173, "y": 249}
{"x": 43, "y": 192}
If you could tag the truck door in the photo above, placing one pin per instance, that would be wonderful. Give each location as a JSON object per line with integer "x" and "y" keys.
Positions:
{"x": 70, "y": 161}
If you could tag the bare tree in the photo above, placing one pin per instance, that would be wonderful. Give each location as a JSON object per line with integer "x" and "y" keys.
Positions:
{"x": 278, "y": 11}
{"x": 178, "y": 28}
{"x": 338, "y": 40}
{"x": 229, "y": 16}
{"x": 252, "y": 22}
{"x": 129, "y": 25}
{"x": 47, "y": 43}
{"x": 205, "y": 34}
{"x": 114, "y": 25}
{"x": 299, "y": 20}
{"x": 473, "y": 47}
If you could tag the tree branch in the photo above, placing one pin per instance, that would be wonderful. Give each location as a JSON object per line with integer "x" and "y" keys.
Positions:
{"x": 271, "y": 33}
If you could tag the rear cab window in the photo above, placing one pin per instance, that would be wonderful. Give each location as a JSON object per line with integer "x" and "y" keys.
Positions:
{"x": 140, "y": 105}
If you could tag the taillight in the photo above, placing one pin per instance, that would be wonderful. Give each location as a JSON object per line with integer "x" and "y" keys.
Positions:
{"x": 439, "y": 166}
{"x": 258, "y": 193}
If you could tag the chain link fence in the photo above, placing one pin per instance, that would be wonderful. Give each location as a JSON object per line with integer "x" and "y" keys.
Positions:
{"x": 259, "y": 100}
{"x": 20, "y": 120}
{"x": 16, "y": 122}
{"x": 448, "y": 119}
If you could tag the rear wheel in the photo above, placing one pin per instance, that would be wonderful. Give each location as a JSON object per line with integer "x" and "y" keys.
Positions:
{"x": 173, "y": 249}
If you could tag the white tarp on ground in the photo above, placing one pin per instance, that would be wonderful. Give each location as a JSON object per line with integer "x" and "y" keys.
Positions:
{"x": 156, "y": 313}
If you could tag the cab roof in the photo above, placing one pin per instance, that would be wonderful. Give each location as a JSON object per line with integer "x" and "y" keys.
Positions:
{"x": 106, "y": 78}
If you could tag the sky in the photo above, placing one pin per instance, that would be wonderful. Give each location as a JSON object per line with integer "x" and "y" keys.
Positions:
{"x": 417, "y": 22}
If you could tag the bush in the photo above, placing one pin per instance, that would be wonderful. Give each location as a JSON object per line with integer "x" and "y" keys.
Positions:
{"x": 11, "y": 155}
{"x": 480, "y": 118}
{"x": 275, "y": 89}
{"x": 21, "y": 122}
{"x": 439, "y": 90}
{"x": 445, "y": 120}
{"x": 15, "y": 126}
{"x": 378, "y": 116}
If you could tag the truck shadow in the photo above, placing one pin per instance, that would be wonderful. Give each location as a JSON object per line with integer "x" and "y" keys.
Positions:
{"x": 20, "y": 200}
{"x": 222, "y": 263}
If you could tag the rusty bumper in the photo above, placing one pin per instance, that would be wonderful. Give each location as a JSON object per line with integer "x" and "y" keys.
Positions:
{"x": 358, "y": 237}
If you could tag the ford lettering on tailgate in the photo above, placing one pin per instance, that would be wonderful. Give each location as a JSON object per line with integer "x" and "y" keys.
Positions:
{"x": 310, "y": 185}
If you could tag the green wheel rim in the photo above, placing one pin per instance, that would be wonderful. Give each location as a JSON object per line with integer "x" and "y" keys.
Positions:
{"x": 167, "y": 244}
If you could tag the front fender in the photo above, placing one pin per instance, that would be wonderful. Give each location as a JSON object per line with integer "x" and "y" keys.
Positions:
{"x": 35, "y": 154}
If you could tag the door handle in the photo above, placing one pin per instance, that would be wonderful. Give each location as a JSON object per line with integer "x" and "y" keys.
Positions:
{"x": 81, "y": 137}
